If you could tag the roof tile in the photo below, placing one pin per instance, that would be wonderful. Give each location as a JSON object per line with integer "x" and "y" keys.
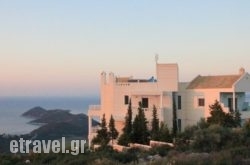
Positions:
{"x": 209, "y": 82}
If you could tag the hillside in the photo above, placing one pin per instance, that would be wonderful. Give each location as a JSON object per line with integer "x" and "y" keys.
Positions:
{"x": 35, "y": 112}
{"x": 57, "y": 123}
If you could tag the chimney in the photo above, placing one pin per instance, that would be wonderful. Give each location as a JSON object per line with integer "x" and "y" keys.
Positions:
{"x": 103, "y": 78}
{"x": 241, "y": 71}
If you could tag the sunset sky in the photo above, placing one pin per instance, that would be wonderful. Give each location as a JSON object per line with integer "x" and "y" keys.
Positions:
{"x": 60, "y": 47}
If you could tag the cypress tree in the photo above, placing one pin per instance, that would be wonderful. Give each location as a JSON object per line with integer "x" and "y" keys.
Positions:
{"x": 155, "y": 125}
{"x": 102, "y": 137}
{"x": 128, "y": 120}
{"x": 113, "y": 133}
{"x": 140, "y": 130}
{"x": 174, "y": 115}
{"x": 125, "y": 138}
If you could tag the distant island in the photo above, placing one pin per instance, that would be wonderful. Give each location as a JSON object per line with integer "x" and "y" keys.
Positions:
{"x": 57, "y": 123}
{"x": 54, "y": 124}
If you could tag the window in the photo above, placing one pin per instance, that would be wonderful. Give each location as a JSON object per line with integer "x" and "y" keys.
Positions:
{"x": 201, "y": 102}
{"x": 126, "y": 99}
{"x": 144, "y": 102}
{"x": 230, "y": 104}
{"x": 179, "y": 125}
{"x": 179, "y": 102}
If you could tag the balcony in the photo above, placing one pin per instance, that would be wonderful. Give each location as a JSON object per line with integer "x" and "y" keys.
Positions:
{"x": 94, "y": 129}
{"x": 94, "y": 110}
{"x": 245, "y": 106}
{"x": 95, "y": 107}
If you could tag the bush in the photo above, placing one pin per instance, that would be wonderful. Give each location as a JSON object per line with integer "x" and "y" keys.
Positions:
{"x": 161, "y": 150}
{"x": 124, "y": 157}
{"x": 213, "y": 138}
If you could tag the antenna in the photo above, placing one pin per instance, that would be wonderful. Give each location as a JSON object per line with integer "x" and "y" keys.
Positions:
{"x": 156, "y": 58}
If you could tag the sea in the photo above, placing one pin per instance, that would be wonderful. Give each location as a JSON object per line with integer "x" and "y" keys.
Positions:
{"x": 11, "y": 109}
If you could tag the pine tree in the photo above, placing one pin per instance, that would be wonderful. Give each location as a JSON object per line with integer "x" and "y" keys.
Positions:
{"x": 140, "y": 131}
{"x": 155, "y": 125}
{"x": 113, "y": 133}
{"x": 102, "y": 137}
{"x": 218, "y": 116}
{"x": 125, "y": 138}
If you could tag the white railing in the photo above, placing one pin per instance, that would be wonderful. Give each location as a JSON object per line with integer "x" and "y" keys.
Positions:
{"x": 95, "y": 129}
{"x": 94, "y": 107}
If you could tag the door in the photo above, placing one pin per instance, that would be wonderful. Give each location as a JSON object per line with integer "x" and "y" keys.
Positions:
{"x": 230, "y": 104}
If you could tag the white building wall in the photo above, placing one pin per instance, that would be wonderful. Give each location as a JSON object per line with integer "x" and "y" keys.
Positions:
{"x": 167, "y": 109}
{"x": 119, "y": 106}
{"x": 243, "y": 84}
{"x": 159, "y": 93}
{"x": 181, "y": 113}
{"x": 192, "y": 113}
{"x": 167, "y": 77}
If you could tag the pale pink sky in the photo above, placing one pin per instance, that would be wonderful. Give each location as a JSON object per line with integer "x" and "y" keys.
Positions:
{"x": 59, "y": 48}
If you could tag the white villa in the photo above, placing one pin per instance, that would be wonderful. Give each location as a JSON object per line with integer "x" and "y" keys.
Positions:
{"x": 192, "y": 99}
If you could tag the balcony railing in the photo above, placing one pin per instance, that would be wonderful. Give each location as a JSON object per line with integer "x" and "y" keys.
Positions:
{"x": 95, "y": 107}
{"x": 95, "y": 129}
{"x": 245, "y": 106}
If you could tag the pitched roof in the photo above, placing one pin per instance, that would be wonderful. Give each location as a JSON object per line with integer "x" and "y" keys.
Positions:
{"x": 208, "y": 82}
